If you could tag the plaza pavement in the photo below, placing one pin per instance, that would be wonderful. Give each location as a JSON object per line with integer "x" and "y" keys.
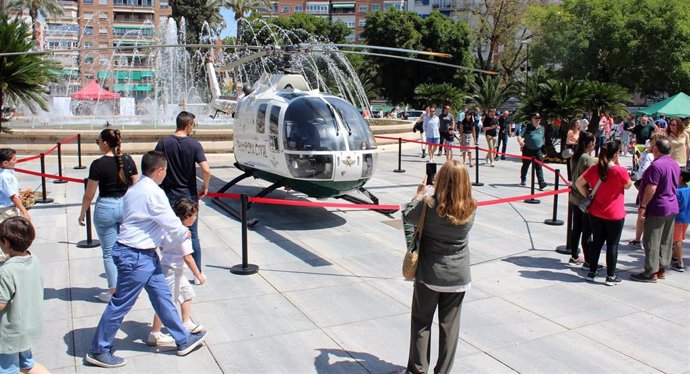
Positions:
{"x": 329, "y": 297}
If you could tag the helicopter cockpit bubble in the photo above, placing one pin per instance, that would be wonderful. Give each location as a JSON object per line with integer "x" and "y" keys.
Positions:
{"x": 360, "y": 137}
{"x": 310, "y": 125}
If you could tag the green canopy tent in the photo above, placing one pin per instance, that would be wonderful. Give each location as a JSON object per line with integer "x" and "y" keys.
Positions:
{"x": 675, "y": 106}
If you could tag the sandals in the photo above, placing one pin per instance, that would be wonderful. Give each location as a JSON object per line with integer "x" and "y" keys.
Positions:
{"x": 635, "y": 243}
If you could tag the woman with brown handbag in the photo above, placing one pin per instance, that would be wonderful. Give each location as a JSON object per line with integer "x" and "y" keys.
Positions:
{"x": 443, "y": 272}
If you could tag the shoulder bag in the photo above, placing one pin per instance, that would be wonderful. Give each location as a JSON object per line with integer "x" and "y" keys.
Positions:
{"x": 587, "y": 200}
{"x": 413, "y": 236}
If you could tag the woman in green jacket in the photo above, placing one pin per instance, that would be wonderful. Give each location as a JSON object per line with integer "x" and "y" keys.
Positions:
{"x": 443, "y": 273}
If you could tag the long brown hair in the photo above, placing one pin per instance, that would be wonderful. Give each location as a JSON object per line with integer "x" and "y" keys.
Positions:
{"x": 113, "y": 138}
{"x": 606, "y": 154}
{"x": 453, "y": 193}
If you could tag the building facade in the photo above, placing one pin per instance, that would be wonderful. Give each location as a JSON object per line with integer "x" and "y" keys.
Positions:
{"x": 106, "y": 24}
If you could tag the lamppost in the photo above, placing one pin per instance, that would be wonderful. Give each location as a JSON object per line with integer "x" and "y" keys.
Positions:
{"x": 527, "y": 69}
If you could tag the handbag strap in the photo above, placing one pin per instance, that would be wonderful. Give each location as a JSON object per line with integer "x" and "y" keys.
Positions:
{"x": 596, "y": 187}
{"x": 422, "y": 217}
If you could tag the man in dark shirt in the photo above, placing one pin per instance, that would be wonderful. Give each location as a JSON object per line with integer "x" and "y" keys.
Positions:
{"x": 183, "y": 153}
{"x": 643, "y": 130}
{"x": 504, "y": 131}
{"x": 446, "y": 122}
{"x": 531, "y": 142}
{"x": 490, "y": 125}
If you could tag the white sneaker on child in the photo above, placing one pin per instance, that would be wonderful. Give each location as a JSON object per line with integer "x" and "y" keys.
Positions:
{"x": 159, "y": 338}
{"x": 193, "y": 327}
{"x": 105, "y": 296}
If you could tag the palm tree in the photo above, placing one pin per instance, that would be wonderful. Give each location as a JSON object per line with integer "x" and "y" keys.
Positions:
{"x": 491, "y": 92}
{"x": 605, "y": 97}
{"x": 241, "y": 7}
{"x": 23, "y": 78}
{"x": 47, "y": 8}
{"x": 435, "y": 93}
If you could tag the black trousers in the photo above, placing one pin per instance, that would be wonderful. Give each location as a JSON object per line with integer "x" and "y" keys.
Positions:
{"x": 609, "y": 231}
{"x": 424, "y": 303}
{"x": 582, "y": 228}
{"x": 536, "y": 153}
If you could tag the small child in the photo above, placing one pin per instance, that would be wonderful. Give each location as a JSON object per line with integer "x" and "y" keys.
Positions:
{"x": 174, "y": 260}
{"x": 21, "y": 297}
{"x": 682, "y": 221}
{"x": 10, "y": 202}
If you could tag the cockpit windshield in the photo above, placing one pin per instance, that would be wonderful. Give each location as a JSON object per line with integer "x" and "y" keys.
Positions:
{"x": 310, "y": 125}
{"x": 360, "y": 137}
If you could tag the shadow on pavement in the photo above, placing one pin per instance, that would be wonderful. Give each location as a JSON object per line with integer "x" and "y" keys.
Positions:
{"x": 364, "y": 362}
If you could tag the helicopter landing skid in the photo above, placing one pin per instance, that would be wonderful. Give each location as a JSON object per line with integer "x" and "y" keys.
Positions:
{"x": 226, "y": 207}
{"x": 371, "y": 196}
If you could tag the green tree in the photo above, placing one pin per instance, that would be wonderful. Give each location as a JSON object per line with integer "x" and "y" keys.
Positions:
{"x": 439, "y": 94}
{"x": 643, "y": 45}
{"x": 408, "y": 30}
{"x": 605, "y": 97}
{"x": 499, "y": 29}
{"x": 46, "y": 8}
{"x": 196, "y": 13}
{"x": 334, "y": 32}
{"x": 491, "y": 91}
{"x": 23, "y": 78}
{"x": 243, "y": 7}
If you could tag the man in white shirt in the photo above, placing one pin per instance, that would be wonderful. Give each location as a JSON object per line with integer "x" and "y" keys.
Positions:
{"x": 431, "y": 130}
{"x": 146, "y": 218}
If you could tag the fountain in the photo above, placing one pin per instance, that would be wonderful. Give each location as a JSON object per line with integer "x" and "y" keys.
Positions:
{"x": 180, "y": 81}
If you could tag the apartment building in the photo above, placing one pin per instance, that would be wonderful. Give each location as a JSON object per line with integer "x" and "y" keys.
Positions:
{"x": 352, "y": 13}
{"x": 97, "y": 24}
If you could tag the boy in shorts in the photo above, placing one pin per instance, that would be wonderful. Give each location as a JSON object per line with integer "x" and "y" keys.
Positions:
{"x": 682, "y": 220}
{"x": 174, "y": 260}
{"x": 10, "y": 202}
{"x": 21, "y": 297}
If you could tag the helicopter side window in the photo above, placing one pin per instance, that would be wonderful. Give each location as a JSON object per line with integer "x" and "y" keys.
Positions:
{"x": 360, "y": 136}
{"x": 310, "y": 125}
{"x": 261, "y": 119}
{"x": 273, "y": 127}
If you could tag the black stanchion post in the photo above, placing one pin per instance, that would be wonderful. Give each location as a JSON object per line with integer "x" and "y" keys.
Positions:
{"x": 44, "y": 199}
{"x": 554, "y": 221}
{"x": 90, "y": 242}
{"x": 245, "y": 268}
{"x": 532, "y": 200}
{"x": 59, "y": 149}
{"x": 399, "y": 169}
{"x": 476, "y": 171}
{"x": 79, "y": 166}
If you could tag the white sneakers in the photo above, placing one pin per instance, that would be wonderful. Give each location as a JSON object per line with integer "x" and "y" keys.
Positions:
{"x": 105, "y": 296}
{"x": 193, "y": 327}
{"x": 159, "y": 338}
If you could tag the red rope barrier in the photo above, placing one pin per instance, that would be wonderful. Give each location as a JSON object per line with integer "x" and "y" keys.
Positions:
{"x": 52, "y": 176}
{"x": 30, "y": 158}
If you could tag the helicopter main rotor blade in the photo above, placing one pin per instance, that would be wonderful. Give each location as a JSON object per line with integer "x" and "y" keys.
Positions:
{"x": 230, "y": 66}
{"x": 391, "y": 49}
{"x": 490, "y": 72}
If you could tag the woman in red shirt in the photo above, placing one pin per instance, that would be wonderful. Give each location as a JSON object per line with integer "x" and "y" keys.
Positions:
{"x": 607, "y": 211}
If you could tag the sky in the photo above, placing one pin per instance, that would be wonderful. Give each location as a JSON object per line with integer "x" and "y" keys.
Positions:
{"x": 229, "y": 17}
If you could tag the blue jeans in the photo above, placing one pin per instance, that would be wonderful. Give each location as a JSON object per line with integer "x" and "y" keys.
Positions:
{"x": 11, "y": 363}
{"x": 137, "y": 269}
{"x": 194, "y": 229}
{"x": 107, "y": 217}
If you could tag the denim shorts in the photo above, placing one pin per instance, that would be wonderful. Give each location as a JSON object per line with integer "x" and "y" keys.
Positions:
{"x": 13, "y": 362}
{"x": 433, "y": 140}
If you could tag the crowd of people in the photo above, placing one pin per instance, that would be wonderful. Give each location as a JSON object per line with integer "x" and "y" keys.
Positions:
{"x": 147, "y": 227}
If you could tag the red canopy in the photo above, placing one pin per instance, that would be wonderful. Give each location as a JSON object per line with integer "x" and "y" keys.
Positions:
{"x": 92, "y": 91}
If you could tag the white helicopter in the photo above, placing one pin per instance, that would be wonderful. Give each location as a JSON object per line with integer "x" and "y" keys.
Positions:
{"x": 299, "y": 138}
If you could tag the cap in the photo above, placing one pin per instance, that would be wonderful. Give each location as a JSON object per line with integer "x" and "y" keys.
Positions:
{"x": 536, "y": 115}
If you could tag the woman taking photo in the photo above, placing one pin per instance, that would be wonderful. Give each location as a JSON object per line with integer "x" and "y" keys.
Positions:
{"x": 607, "y": 211}
{"x": 112, "y": 174}
{"x": 443, "y": 272}
{"x": 582, "y": 160}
